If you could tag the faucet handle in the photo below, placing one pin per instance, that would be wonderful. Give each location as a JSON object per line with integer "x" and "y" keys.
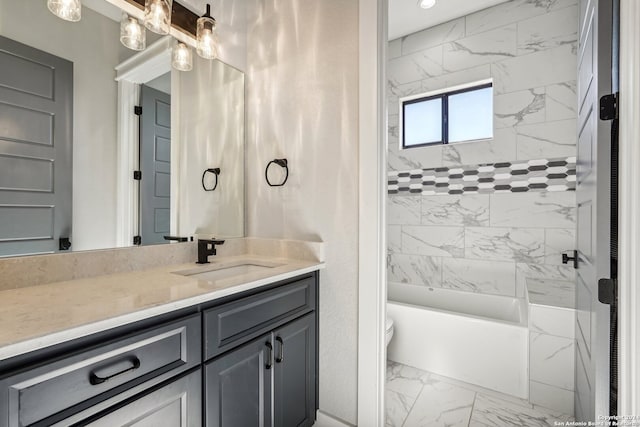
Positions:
{"x": 178, "y": 238}
{"x": 212, "y": 241}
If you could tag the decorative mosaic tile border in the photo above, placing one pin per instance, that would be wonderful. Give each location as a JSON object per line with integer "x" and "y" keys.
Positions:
{"x": 505, "y": 177}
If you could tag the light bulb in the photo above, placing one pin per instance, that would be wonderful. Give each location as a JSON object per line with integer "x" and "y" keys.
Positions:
{"x": 182, "y": 58}
{"x": 157, "y": 15}
{"x": 426, "y": 4}
{"x": 69, "y": 10}
{"x": 206, "y": 36}
{"x": 132, "y": 34}
{"x": 207, "y": 46}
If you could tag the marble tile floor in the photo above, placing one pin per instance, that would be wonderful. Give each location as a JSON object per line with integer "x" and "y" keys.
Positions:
{"x": 417, "y": 398}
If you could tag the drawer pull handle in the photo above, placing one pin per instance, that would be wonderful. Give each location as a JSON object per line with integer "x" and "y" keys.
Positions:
{"x": 280, "y": 359}
{"x": 270, "y": 356}
{"x": 94, "y": 379}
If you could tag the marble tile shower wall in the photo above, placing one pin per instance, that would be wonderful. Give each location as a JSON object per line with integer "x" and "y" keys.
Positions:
{"x": 485, "y": 243}
{"x": 488, "y": 242}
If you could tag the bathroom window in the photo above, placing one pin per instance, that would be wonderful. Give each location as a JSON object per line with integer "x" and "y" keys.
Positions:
{"x": 463, "y": 113}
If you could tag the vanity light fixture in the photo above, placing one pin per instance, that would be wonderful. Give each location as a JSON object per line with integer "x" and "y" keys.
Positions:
{"x": 182, "y": 58}
{"x": 426, "y": 4}
{"x": 157, "y": 15}
{"x": 69, "y": 10}
{"x": 206, "y": 36}
{"x": 132, "y": 34}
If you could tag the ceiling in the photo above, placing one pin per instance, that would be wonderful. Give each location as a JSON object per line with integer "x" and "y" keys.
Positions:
{"x": 406, "y": 17}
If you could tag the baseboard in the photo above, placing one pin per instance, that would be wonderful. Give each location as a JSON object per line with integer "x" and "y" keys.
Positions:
{"x": 326, "y": 420}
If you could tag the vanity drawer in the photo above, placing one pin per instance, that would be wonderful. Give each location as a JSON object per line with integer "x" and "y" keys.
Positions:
{"x": 51, "y": 389}
{"x": 234, "y": 323}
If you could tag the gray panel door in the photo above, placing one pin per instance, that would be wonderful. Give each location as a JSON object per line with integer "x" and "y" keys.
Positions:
{"x": 155, "y": 164}
{"x": 593, "y": 200}
{"x": 238, "y": 387}
{"x": 36, "y": 113}
{"x": 294, "y": 374}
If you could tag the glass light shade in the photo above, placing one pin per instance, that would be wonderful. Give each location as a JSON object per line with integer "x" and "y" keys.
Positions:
{"x": 182, "y": 58}
{"x": 132, "y": 34}
{"x": 157, "y": 15}
{"x": 206, "y": 36}
{"x": 69, "y": 10}
{"x": 426, "y": 4}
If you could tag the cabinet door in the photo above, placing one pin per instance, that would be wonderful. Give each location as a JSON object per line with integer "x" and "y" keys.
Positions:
{"x": 238, "y": 386}
{"x": 177, "y": 404}
{"x": 295, "y": 373}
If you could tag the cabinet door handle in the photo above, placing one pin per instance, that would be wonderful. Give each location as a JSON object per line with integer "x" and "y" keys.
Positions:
{"x": 280, "y": 359}
{"x": 95, "y": 379}
{"x": 270, "y": 356}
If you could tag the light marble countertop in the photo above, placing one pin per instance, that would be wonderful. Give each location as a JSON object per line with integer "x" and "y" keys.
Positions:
{"x": 36, "y": 317}
{"x": 554, "y": 293}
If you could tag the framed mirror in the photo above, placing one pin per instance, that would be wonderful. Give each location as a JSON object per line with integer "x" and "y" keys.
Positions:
{"x": 79, "y": 168}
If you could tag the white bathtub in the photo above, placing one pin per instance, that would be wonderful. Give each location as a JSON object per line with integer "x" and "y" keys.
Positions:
{"x": 476, "y": 338}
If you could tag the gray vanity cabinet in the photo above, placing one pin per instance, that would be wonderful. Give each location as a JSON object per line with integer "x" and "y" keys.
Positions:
{"x": 243, "y": 361}
{"x": 267, "y": 382}
{"x": 177, "y": 404}
{"x": 79, "y": 386}
{"x": 294, "y": 373}
{"x": 238, "y": 387}
{"x": 261, "y": 354}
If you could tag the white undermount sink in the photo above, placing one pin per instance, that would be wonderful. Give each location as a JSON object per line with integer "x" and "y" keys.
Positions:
{"x": 216, "y": 272}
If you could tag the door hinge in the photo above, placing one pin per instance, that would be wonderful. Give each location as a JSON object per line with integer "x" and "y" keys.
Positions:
{"x": 137, "y": 175}
{"x": 137, "y": 240}
{"x": 64, "y": 243}
{"x": 609, "y": 107}
{"x": 137, "y": 110}
{"x": 607, "y": 290}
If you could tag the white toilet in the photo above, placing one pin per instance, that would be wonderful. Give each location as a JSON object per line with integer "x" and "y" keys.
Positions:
{"x": 389, "y": 329}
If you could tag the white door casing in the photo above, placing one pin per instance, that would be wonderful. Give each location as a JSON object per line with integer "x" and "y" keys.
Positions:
{"x": 629, "y": 208}
{"x": 141, "y": 68}
{"x": 372, "y": 290}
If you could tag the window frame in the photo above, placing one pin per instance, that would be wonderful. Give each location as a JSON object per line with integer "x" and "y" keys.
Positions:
{"x": 443, "y": 95}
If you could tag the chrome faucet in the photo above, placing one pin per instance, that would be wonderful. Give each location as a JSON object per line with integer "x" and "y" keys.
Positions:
{"x": 204, "y": 251}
